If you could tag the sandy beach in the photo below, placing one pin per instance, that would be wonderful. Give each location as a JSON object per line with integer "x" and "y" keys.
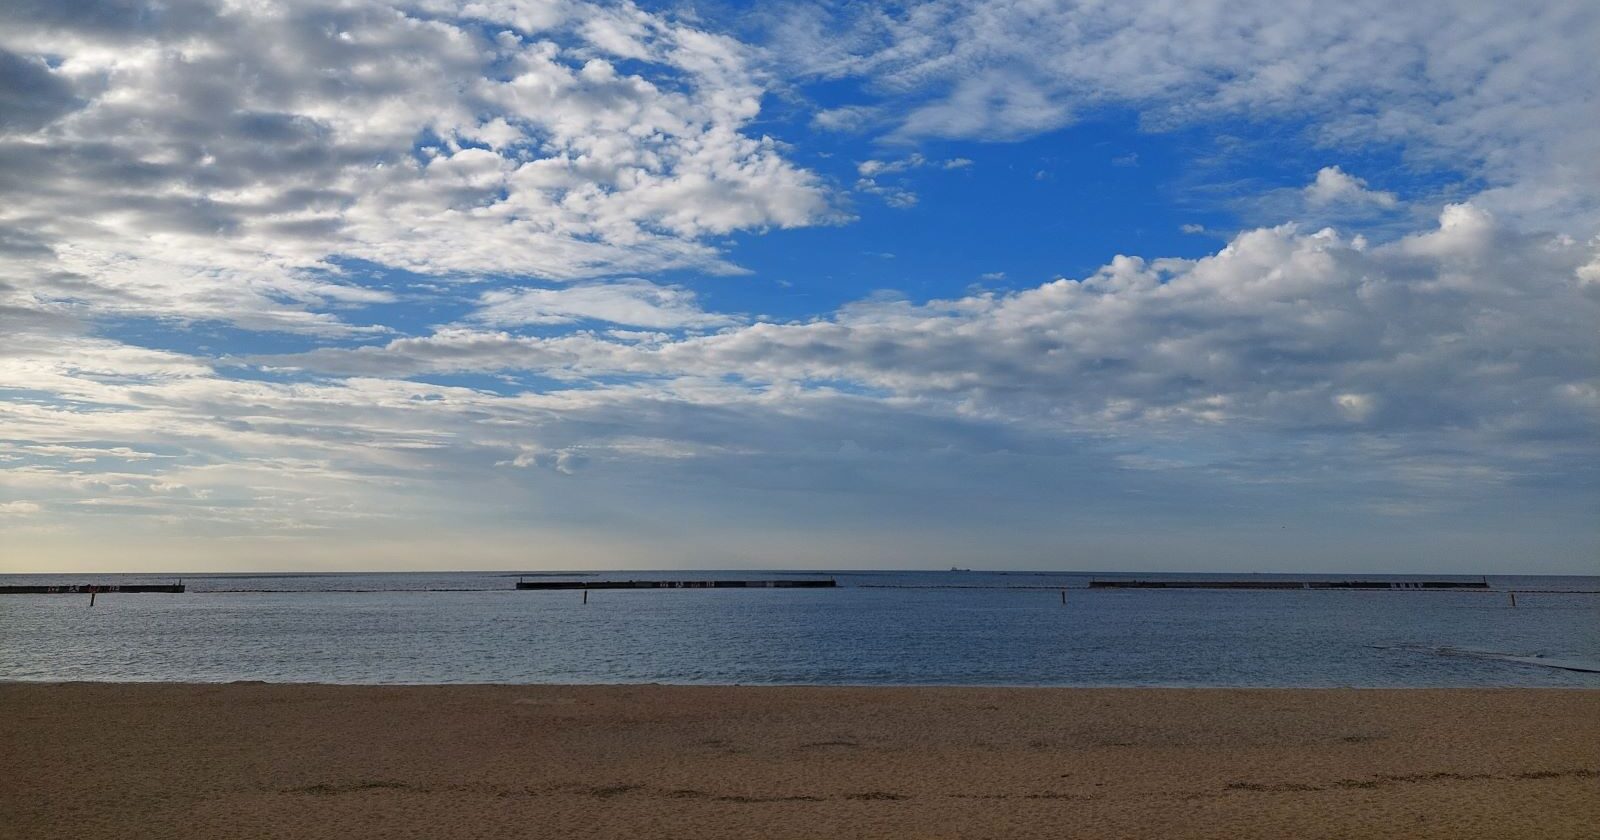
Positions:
{"x": 302, "y": 761}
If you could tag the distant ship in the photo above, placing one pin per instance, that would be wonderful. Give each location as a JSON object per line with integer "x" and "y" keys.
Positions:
{"x": 959, "y": 569}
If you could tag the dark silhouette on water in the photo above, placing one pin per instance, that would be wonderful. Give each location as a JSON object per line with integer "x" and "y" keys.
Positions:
{"x": 89, "y": 588}
{"x": 675, "y": 584}
{"x": 1279, "y": 583}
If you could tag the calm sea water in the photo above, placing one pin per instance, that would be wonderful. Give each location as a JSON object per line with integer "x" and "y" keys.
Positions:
{"x": 876, "y": 628}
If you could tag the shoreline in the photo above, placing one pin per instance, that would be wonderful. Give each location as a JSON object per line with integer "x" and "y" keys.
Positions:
{"x": 252, "y": 759}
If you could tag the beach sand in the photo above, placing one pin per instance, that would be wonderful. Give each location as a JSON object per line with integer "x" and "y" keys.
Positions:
{"x": 438, "y": 762}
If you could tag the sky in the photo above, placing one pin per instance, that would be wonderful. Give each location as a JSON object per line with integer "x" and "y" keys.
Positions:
{"x": 1264, "y": 285}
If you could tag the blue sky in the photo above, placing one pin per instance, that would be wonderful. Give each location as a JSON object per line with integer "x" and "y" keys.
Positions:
{"x": 568, "y": 284}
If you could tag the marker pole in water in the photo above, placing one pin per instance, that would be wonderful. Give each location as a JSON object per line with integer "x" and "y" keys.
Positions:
{"x": 1513, "y": 598}
{"x": 1063, "y": 597}
{"x": 586, "y": 596}
{"x": 91, "y": 596}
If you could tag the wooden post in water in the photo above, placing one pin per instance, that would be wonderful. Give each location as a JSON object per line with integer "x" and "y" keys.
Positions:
{"x": 586, "y": 596}
{"x": 91, "y": 596}
{"x": 1513, "y": 599}
{"x": 1063, "y": 597}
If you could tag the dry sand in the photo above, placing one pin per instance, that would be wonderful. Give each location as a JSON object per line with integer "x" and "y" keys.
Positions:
{"x": 251, "y": 760}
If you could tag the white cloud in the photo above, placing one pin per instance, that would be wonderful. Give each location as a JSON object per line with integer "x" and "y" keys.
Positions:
{"x": 1459, "y": 86}
{"x": 874, "y": 167}
{"x": 1333, "y": 186}
{"x": 237, "y": 162}
{"x": 215, "y": 161}
{"x": 994, "y": 104}
{"x": 847, "y": 118}
{"x": 870, "y": 168}
{"x": 1588, "y": 274}
{"x": 1281, "y": 331}
{"x": 895, "y": 195}
{"x": 636, "y": 303}
{"x": 1355, "y": 407}
{"x": 1362, "y": 376}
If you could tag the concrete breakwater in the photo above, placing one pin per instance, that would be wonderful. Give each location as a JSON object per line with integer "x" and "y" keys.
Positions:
{"x": 1275, "y": 583}
{"x": 676, "y": 584}
{"x": 91, "y": 588}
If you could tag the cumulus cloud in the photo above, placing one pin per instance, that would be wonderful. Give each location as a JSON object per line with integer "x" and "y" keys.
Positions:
{"x": 1333, "y": 186}
{"x": 223, "y": 161}
{"x": 1437, "y": 372}
{"x": 1589, "y": 274}
{"x": 1470, "y": 325}
{"x": 204, "y": 161}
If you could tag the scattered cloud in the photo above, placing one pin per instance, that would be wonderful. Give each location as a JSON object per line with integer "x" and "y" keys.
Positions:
{"x": 847, "y": 118}
{"x": 1458, "y": 87}
{"x": 1282, "y": 330}
{"x": 222, "y": 161}
{"x": 873, "y": 168}
{"x": 893, "y": 196}
{"x": 637, "y": 303}
{"x": 476, "y": 233}
{"x": 1333, "y": 186}
{"x": 896, "y": 195}
{"x": 1467, "y": 347}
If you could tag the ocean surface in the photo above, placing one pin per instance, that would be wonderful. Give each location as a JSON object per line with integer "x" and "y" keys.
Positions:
{"x": 901, "y": 628}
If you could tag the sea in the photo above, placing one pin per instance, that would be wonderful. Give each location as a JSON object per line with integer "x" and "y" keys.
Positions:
{"x": 951, "y": 627}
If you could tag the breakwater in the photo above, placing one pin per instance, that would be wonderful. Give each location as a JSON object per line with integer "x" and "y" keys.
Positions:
{"x": 676, "y": 584}
{"x": 1276, "y": 583}
{"x": 91, "y": 589}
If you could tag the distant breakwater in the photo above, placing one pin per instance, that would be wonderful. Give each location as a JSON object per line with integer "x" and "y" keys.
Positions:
{"x": 91, "y": 589}
{"x": 1288, "y": 584}
{"x": 676, "y": 584}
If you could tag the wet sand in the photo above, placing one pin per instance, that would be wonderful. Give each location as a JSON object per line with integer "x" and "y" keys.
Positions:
{"x": 442, "y": 762}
